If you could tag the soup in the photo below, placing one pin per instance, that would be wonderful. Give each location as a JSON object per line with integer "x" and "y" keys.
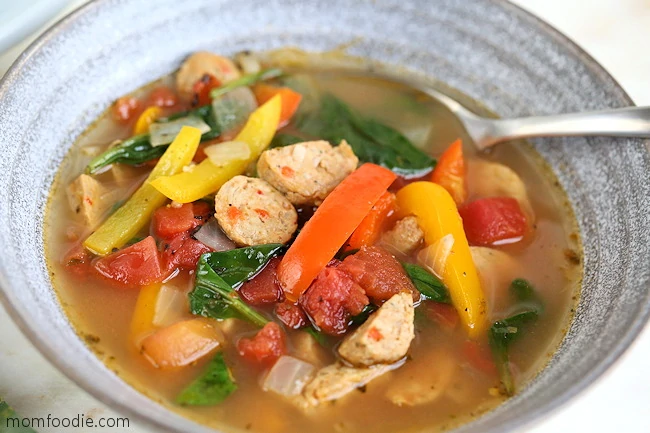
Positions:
{"x": 309, "y": 250}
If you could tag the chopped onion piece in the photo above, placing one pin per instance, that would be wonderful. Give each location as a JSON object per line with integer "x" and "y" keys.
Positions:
{"x": 162, "y": 133}
{"x": 232, "y": 109}
{"x": 248, "y": 62}
{"x": 288, "y": 376}
{"x": 212, "y": 236}
{"x": 434, "y": 257}
{"x": 171, "y": 305}
{"x": 221, "y": 154}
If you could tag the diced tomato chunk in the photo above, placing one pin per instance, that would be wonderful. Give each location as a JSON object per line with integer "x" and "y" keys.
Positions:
{"x": 202, "y": 89}
{"x": 291, "y": 315}
{"x": 126, "y": 109}
{"x": 479, "y": 357}
{"x": 332, "y": 299}
{"x": 265, "y": 347}
{"x": 136, "y": 265}
{"x": 444, "y": 315}
{"x": 163, "y": 97}
{"x": 169, "y": 221}
{"x": 493, "y": 221}
{"x": 183, "y": 252}
{"x": 378, "y": 273}
{"x": 264, "y": 288}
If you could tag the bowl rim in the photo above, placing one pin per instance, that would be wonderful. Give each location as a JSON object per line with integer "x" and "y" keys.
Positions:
{"x": 532, "y": 417}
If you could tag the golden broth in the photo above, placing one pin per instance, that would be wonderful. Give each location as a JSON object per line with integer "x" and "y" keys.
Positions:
{"x": 101, "y": 313}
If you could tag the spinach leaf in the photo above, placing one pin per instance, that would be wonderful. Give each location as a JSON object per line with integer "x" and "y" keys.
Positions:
{"x": 501, "y": 334}
{"x": 318, "y": 336}
{"x": 239, "y": 265}
{"x": 10, "y": 422}
{"x": 282, "y": 140}
{"x": 212, "y": 387}
{"x": 524, "y": 293}
{"x": 504, "y": 332}
{"x": 138, "y": 149}
{"x": 360, "y": 318}
{"x": 427, "y": 284}
{"x": 371, "y": 140}
{"x": 133, "y": 151}
{"x": 219, "y": 274}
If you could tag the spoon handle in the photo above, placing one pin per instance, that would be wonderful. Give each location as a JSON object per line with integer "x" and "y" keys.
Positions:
{"x": 625, "y": 122}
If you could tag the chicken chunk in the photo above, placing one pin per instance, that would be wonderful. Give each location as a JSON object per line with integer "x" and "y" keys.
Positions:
{"x": 422, "y": 382}
{"x": 496, "y": 269}
{"x": 90, "y": 198}
{"x": 199, "y": 64}
{"x": 385, "y": 337}
{"x": 307, "y": 172}
{"x": 337, "y": 380}
{"x": 405, "y": 237}
{"x": 308, "y": 349}
{"x": 491, "y": 179}
{"x": 252, "y": 212}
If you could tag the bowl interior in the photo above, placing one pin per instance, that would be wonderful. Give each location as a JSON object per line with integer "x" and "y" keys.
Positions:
{"x": 488, "y": 50}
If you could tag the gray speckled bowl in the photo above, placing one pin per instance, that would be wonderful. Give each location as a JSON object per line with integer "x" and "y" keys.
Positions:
{"x": 489, "y": 50}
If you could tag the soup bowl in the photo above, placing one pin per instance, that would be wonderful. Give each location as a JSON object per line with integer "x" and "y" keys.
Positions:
{"x": 489, "y": 50}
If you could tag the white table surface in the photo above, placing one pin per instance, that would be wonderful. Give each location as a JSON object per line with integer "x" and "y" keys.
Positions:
{"x": 616, "y": 33}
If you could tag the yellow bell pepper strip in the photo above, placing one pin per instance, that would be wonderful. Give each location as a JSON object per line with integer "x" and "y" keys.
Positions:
{"x": 144, "y": 312}
{"x": 206, "y": 178}
{"x": 131, "y": 217}
{"x": 438, "y": 216}
{"x": 147, "y": 117}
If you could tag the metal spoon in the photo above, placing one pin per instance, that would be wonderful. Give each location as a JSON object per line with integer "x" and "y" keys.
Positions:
{"x": 621, "y": 122}
{"x": 485, "y": 132}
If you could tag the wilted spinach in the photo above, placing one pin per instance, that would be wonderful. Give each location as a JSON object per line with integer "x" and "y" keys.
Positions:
{"x": 219, "y": 274}
{"x": 503, "y": 332}
{"x": 427, "y": 284}
{"x": 371, "y": 140}
{"x": 212, "y": 387}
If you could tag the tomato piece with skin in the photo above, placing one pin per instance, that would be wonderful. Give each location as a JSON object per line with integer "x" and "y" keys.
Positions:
{"x": 202, "y": 89}
{"x": 264, "y": 288}
{"x": 265, "y": 347}
{"x": 291, "y": 315}
{"x": 134, "y": 266}
{"x": 169, "y": 221}
{"x": 378, "y": 273}
{"x": 126, "y": 108}
{"x": 163, "y": 97}
{"x": 493, "y": 221}
{"x": 183, "y": 252}
{"x": 332, "y": 299}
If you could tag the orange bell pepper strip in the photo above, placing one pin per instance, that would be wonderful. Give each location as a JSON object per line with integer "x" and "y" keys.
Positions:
{"x": 450, "y": 172}
{"x": 330, "y": 226}
{"x": 438, "y": 216}
{"x": 368, "y": 231}
{"x": 290, "y": 99}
